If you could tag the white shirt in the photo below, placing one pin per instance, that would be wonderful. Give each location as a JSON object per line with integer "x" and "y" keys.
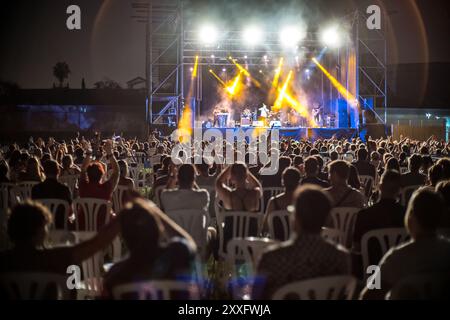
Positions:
{"x": 180, "y": 199}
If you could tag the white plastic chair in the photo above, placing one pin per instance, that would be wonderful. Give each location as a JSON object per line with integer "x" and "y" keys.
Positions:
{"x": 22, "y": 191}
{"x": 324, "y": 288}
{"x": 53, "y": 205}
{"x": 334, "y": 235}
{"x": 283, "y": 216}
{"x": 195, "y": 222}
{"x": 386, "y": 238}
{"x": 156, "y": 290}
{"x": 344, "y": 220}
{"x": 138, "y": 176}
{"x": 406, "y": 193}
{"x": 71, "y": 181}
{"x": 89, "y": 208}
{"x": 248, "y": 250}
{"x": 92, "y": 268}
{"x": 240, "y": 224}
{"x": 421, "y": 287}
{"x": 117, "y": 198}
{"x": 34, "y": 286}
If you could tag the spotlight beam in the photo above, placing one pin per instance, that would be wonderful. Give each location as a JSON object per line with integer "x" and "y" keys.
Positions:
{"x": 350, "y": 98}
{"x": 217, "y": 77}
{"x": 279, "y": 101}
{"x": 276, "y": 77}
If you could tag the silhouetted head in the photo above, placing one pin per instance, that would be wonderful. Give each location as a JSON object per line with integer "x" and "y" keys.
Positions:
{"x": 291, "y": 179}
{"x": 186, "y": 176}
{"x": 312, "y": 208}
{"x": 95, "y": 172}
{"x": 27, "y": 224}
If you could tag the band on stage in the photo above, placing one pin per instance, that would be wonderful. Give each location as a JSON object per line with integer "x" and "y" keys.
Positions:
{"x": 263, "y": 116}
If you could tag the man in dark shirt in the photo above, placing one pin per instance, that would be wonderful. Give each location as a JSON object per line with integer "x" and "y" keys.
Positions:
{"x": 52, "y": 189}
{"x": 311, "y": 170}
{"x": 386, "y": 213}
{"x": 413, "y": 177}
{"x": 365, "y": 168}
{"x": 306, "y": 256}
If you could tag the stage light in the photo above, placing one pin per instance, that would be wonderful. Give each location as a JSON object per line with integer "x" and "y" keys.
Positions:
{"x": 208, "y": 34}
{"x": 252, "y": 36}
{"x": 290, "y": 36}
{"x": 330, "y": 37}
{"x": 191, "y": 69}
{"x": 224, "y": 70}
{"x": 212, "y": 56}
{"x": 245, "y": 57}
{"x": 265, "y": 57}
{"x": 307, "y": 71}
{"x": 260, "y": 71}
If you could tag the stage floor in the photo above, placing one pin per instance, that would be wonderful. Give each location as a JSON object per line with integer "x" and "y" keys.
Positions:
{"x": 302, "y": 132}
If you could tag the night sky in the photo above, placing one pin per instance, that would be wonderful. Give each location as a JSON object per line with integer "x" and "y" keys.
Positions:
{"x": 33, "y": 34}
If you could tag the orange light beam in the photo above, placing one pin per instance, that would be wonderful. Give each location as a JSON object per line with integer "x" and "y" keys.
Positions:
{"x": 217, "y": 77}
{"x": 245, "y": 71}
{"x": 276, "y": 77}
{"x": 194, "y": 72}
{"x": 342, "y": 90}
{"x": 232, "y": 89}
{"x": 281, "y": 94}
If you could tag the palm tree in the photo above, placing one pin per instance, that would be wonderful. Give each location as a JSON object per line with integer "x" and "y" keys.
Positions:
{"x": 61, "y": 71}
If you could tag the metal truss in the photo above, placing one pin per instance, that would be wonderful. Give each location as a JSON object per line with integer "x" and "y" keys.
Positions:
{"x": 371, "y": 77}
{"x": 172, "y": 45}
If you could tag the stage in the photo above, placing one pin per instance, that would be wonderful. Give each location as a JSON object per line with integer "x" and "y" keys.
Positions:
{"x": 298, "y": 133}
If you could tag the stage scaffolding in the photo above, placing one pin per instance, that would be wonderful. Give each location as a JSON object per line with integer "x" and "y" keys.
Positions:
{"x": 172, "y": 44}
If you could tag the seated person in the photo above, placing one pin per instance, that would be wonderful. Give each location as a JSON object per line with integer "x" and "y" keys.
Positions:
{"x": 52, "y": 189}
{"x": 290, "y": 181}
{"x": 413, "y": 177}
{"x": 185, "y": 195}
{"x": 246, "y": 192}
{"x": 342, "y": 194}
{"x": 306, "y": 256}
{"x": 124, "y": 178}
{"x": 68, "y": 167}
{"x": 311, "y": 170}
{"x": 158, "y": 248}
{"x": 27, "y": 230}
{"x": 425, "y": 253}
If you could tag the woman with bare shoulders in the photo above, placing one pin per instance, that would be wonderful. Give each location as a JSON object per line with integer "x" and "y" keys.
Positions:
{"x": 246, "y": 192}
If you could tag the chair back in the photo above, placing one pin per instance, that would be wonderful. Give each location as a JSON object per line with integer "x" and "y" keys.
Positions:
{"x": 385, "y": 239}
{"x": 279, "y": 218}
{"x": 55, "y": 206}
{"x": 367, "y": 184}
{"x": 237, "y": 224}
{"x": 22, "y": 191}
{"x": 246, "y": 250}
{"x": 333, "y": 235}
{"x": 324, "y": 288}
{"x": 34, "y": 286}
{"x": 89, "y": 209}
{"x": 195, "y": 222}
{"x": 117, "y": 198}
{"x": 344, "y": 220}
{"x": 157, "y": 290}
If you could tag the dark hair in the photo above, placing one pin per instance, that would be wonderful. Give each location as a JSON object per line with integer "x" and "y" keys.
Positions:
{"x": 141, "y": 228}
{"x": 298, "y": 160}
{"x": 311, "y": 165}
{"x": 3, "y": 168}
{"x": 391, "y": 182}
{"x": 427, "y": 207}
{"x": 334, "y": 155}
{"x": 186, "y": 175}
{"x": 415, "y": 162}
{"x": 67, "y": 161}
{"x": 26, "y": 220}
{"x": 239, "y": 170}
{"x": 392, "y": 164}
{"x": 362, "y": 154}
{"x": 435, "y": 174}
{"x": 340, "y": 167}
{"x": 312, "y": 208}
{"x": 445, "y": 164}
{"x": 291, "y": 178}
{"x": 443, "y": 187}
{"x": 284, "y": 162}
{"x": 51, "y": 168}
{"x": 95, "y": 172}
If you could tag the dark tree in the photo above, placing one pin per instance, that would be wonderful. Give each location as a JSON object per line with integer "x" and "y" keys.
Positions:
{"x": 61, "y": 72}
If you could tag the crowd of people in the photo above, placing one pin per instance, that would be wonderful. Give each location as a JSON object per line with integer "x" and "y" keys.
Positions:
{"x": 402, "y": 184}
